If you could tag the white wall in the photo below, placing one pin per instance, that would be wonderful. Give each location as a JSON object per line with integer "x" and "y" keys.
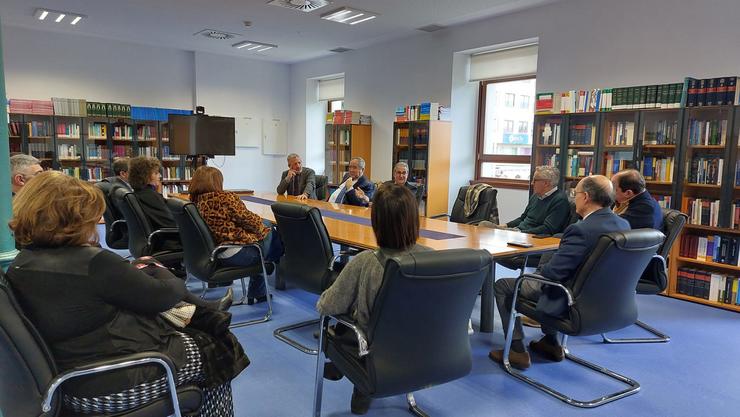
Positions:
{"x": 40, "y": 65}
{"x": 232, "y": 86}
{"x": 583, "y": 44}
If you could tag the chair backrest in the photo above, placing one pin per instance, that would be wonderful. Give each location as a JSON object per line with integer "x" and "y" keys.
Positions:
{"x": 116, "y": 238}
{"x": 419, "y": 192}
{"x": 673, "y": 223}
{"x": 138, "y": 225}
{"x": 604, "y": 286}
{"x": 197, "y": 241}
{"x": 655, "y": 278}
{"x": 308, "y": 250}
{"x": 26, "y": 363}
{"x": 486, "y": 206}
{"x": 322, "y": 189}
{"x": 418, "y": 329}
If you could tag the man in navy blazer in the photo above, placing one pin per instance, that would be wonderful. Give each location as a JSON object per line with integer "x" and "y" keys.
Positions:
{"x": 594, "y": 198}
{"x": 636, "y": 205}
{"x": 355, "y": 189}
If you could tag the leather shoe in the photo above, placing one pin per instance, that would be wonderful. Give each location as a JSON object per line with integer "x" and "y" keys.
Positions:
{"x": 548, "y": 350}
{"x": 225, "y": 302}
{"x": 530, "y": 322}
{"x": 257, "y": 300}
{"x": 360, "y": 402}
{"x": 519, "y": 360}
{"x": 331, "y": 372}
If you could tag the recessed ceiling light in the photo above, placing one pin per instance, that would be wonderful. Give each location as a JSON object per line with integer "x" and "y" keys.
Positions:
{"x": 349, "y": 16}
{"x": 58, "y": 16}
{"x": 253, "y": 46}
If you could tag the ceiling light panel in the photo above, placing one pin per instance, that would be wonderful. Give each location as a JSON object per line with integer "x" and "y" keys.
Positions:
{"x": 56, "y": 16}
{"x": 254, "y": 46}
{"x": 349, "y": 16}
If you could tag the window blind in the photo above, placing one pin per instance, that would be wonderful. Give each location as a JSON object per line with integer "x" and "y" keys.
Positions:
{"x": 505, "y": 63}
{"x": 331, "y": 89}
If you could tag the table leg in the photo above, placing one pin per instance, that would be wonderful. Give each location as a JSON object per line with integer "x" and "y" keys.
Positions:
{"x": 487, "y": 301}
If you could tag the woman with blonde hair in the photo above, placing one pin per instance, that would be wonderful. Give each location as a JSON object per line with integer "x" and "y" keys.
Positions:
{"x": 90, "y": 304}
{"x": 232, "y": 223}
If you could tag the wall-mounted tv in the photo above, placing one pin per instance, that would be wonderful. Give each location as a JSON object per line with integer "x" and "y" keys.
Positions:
{"x": 199, "y": 134}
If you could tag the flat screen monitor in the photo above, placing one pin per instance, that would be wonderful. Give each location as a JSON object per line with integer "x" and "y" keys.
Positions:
{"x": 199, "y": 134}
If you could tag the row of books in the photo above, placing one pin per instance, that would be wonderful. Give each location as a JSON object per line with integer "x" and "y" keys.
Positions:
{"x": 71, "y": 171}
{"x": 15, "y": 129}
{"x": 664, "y": 201}
{"x": 656, "y": 96}
{"x": 108, "y": 110}
{"x": 15, "y": 147}
{"x": 40, "y": 149}
{"x": 97, "y": 152}
{"x": 146, "y": 132}
{"x": 582, "y": 134}
{"x": 708, "y": 285}
{"x": 39, "y": 128}
{"x": 550, "y": 158}
{"x": 550, "y": 134}
{"x": 38, "y": 107}
{"x": 147, "y": 151}
{"x": 172, "y": 173}
{"x": 617, "y": 161}
{"x": 96, "y": 173}
{"x": 173, "y": 188}
{"x": 120, "y": 151}
{"x": 348, "y": 117}
{"x": 122, "y": 132}
{"x": 711, "y": 248}
{"x": 97, "y": 130}
{"x": 735, "y": 218}
{"x": 658, "y": 168}
{"x": 69, "y": 107}
{"x": 711, "y": 91}
{"x": 580, "y": 163}
{"x": 703, "y": 212}
{"x": 661, "y": 132}
{"x": 423, "y": 111}
{"x": 71, "y": 130}
{"x": 620, "y": 133}
{"x": 708, "y": 132}
{"x": 67, "y": 151}
{"x": 705, "y": 169}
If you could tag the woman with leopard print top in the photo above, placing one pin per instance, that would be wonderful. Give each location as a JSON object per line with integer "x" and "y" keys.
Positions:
{"x": 231, "y": 223}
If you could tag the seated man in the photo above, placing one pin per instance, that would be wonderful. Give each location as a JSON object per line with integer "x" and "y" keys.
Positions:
{"x": 120, "y": 168}
{"x": 594, "y": 197}
{"x": 401, "y": 177}
{"x": 355, "y": 189}
{"x": 298, "y": 180}
{"x": 22, "y": 168}
{"x": 634, "y": 202}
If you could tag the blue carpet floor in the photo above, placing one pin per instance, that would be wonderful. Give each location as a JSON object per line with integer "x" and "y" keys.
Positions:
{"x": 696, "y": 374}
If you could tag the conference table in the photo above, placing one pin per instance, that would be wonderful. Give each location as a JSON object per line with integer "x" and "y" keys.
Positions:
{"x": 350, "y": 225}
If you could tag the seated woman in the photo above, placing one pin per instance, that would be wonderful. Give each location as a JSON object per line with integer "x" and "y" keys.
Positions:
{"x": 90, "y": 304}
{"x": 145, "y": 179}
{"x": 395, "y": 222}
{"x": 232, "y": 223}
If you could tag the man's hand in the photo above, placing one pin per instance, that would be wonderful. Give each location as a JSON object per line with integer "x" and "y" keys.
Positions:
{"x": 303, "y": 196}
{"x": 290, "y": 175}
{"x": 361, "y": 195}
{"x": 349, "y": 183}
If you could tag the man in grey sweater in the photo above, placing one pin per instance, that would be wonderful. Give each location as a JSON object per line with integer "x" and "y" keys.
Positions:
{"x": 298, "y": 180}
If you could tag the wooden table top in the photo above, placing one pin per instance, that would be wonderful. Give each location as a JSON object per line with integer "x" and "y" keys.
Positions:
{"x": 361, "y": 236}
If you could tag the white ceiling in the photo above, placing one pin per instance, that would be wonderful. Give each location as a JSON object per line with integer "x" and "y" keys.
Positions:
{"x": 299, "y": 36}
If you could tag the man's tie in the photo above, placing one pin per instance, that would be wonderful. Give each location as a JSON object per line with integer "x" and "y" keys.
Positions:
{"x": 340, "y": 197}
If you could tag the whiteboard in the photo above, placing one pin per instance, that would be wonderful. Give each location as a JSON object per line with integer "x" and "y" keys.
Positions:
{"x": 274, "y": 137}
{"x": 248, "y": 132}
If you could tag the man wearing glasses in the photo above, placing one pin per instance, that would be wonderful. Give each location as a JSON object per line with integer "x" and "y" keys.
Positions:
{"x": 22, "y": 168}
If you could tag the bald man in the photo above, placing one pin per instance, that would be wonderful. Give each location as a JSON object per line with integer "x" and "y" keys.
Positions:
{"x": 594, "y": 197}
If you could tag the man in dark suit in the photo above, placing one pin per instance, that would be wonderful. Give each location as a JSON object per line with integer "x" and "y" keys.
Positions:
{"x": 594, "y": 197}
{"x": 355, "y": 189}
{"x": 635, "y": 204}
{"x": 298, "y": 180}
{"x": 120, "y": 168}
{"x": 401, "y": 177}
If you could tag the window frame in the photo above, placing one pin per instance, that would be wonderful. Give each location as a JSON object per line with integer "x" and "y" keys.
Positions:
{"x": 480, "y": 157}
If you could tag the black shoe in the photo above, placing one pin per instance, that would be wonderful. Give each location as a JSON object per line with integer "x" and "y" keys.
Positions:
{"x": 257, "y": 300}
{"x": 331, "y": 372}
{"x": 553, "y": 352}
{"x": 360, "y": 402}
{"x": 225, "y": 302}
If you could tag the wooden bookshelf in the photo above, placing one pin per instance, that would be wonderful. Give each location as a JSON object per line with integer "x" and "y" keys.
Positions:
{"x": 342, "y": 143}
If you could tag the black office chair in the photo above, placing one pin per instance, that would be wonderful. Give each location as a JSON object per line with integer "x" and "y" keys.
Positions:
{"x": 116, "y": 232}
{"x": 201, "y": 256}
{"x": 322, "y": 187}
{"x": 601, "y": 298}
{"x": 308, "y": 259}
{"x": 417, "y": 336}
{"x": 655, "y": 278}
{"x": 30, "y": 383}
{"x": 487, "y": 207}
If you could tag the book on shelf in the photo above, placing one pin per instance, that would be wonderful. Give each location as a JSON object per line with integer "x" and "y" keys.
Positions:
{"x": 69, "y": 107}
{"x": 423, "y": 111}
{"x": 707, "y": 132}
{"x": 708, "y": 285}
{"x": 15, "y": 128}
{"x": 582, "y": 134}
{"x": 657, "y": 168}
{"x": 617, "y": 161}
{"x": 39, "y": 128}
{"x": 620, "y": 133}
{"x": 550, "y": 134}
{"x": 551, "y": 157}
{"x": 706, "y": 169}
{"x": 38, "y": 107}
{"x": 710, "y": 91}
{"x": 704, "y": 212}
{"x": 580, "y": 163}
{"x": 68, "y": 130}
{"x": 544, "y": 103}
{"x": 735, "y": 217}
{"x": 664, "y": 201}
{"x": 660, "y": 132}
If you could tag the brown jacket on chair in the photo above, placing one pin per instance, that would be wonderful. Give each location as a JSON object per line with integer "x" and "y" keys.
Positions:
{"x": 229, "y": 219}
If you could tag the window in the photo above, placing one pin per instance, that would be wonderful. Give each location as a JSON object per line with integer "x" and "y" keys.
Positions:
{"x": 524, "y": 102}
{"x": 509, "y": 100}
{"x": 523, "y": 127}
{"x": 503, "y": 156}
{"x": 334, "y": 105}
{"x": 508, "y": 126}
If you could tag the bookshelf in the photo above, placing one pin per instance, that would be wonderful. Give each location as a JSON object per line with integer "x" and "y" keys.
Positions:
{"x": 425, "y": 146}
{"x": 39, "y": 139}
{"x": 68, "y": 140}
{"x": 342, "y": 143}
{"x": 175, "y": 175}
{"x": 581, "y": 149}
{"x": 619, "y": 140}
{"x": 97, "y": 148}
{"x": 15, "y": 133}
{"x": 548, "y": 143}
{"x": 658, "y": 145}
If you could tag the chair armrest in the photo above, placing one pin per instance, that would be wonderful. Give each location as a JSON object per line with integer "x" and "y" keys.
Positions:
{"x": 662, "y": 260}
{"x": 117, "y": 223}
{"x": 339, "y": 255}
{"x": 542, "y": 280}
{"x": 135, "y": 359}
{"x": 222, "y": 248}
{"x": 162, "y": 234}
{"x": 361, "y": 338}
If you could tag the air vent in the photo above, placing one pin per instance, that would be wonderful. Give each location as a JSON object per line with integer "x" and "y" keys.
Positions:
{"x": 340, "y": 50}
{"x": 300, "y": 5}
{"x": 430, "y": 28}
{"x": 216, "y": 34}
